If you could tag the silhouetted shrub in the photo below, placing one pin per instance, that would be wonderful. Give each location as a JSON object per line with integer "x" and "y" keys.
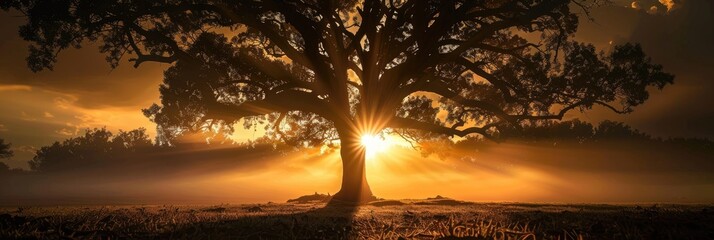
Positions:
{"x": 618, "y": 130}
{"x": 96, "y": 146}
{"x": 5, "y": 151}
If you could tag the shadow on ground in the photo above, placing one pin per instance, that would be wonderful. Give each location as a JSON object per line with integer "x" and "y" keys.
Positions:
{"x": 436, "y": 218}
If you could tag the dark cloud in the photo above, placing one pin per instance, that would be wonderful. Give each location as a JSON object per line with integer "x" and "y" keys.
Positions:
{"x": 654, "y": 6}
{"x": 681, "y": 41}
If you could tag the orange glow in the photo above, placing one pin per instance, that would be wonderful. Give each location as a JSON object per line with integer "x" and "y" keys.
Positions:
{"x": 505, "y": 172}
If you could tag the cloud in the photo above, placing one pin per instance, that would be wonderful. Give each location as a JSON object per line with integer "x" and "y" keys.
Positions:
{"x": 636, "y": 5}
{"x": 3, "y": 128}
{"x": 653, "y": 10}
{"x": 681, "y": 42}
{"x": 658, "y": 6}
{"x": 27, "y": 149}
{"x": 15, "y": 87}
{"x": 63, "y": 103}
{"x": 66, "y": 132}
{"x": 27, "y": 117}
{"x": 49, "y": 115}
{"x": 73, "y": 129}
{"x": 669, "y": 4}
{"x": 112, "y": 119}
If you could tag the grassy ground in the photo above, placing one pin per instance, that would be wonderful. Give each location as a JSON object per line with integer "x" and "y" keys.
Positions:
{"x": 415, "y": 219}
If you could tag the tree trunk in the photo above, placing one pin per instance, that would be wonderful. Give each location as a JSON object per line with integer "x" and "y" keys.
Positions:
{"x": 355, "y": 189}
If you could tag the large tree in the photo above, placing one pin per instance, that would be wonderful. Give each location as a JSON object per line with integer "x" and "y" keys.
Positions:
{"x": 318, "y": 70}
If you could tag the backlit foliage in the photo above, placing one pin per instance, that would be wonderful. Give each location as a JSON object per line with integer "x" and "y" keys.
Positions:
{"x": 313, "y": 71}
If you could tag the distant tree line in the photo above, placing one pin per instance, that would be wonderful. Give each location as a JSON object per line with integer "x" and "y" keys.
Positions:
{"x": 575, "y": 130}
{"x": 97, "y": 147}
{"x": 585, "y": 132}
{"x": 5, "y": 152}
{"x": 94, "y": 147}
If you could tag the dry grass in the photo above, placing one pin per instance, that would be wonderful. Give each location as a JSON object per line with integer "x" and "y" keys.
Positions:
{"x": 389, "y": 220}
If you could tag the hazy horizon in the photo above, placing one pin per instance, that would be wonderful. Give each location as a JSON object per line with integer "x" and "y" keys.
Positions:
{"x": 617, "y": 173}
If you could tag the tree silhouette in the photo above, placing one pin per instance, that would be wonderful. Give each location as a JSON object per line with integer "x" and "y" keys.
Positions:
{"x": 95, "y": 147}
{"x": 313, "y": 71}
{"x": 572, "y": 130}
{"x": 5, "y": 151}
{"x": 617, "y": 130}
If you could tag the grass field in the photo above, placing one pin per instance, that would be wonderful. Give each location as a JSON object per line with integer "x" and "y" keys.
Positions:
{"x": 389, "y": 219}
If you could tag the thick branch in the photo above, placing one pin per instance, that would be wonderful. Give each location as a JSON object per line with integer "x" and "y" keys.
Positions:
{"x": 281, "y": 102}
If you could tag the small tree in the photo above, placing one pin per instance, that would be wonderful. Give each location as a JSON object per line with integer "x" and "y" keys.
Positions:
{"x": 5, "y": 151}
{"x": 313, "y": 70}
{"x": 95, "y": 147}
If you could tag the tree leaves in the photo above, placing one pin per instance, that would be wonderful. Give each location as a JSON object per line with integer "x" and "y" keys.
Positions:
{"x": 334, "y": 64}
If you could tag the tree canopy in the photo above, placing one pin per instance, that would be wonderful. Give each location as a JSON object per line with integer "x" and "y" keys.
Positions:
{"x": 313, "y": 71}
{"x": 366, "y": 65}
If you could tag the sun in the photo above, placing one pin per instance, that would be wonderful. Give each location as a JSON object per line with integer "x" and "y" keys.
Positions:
{"x": 374, "y": 144}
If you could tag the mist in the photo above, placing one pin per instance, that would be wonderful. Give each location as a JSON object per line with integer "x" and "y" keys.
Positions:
{"x": 602, "y": 172}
